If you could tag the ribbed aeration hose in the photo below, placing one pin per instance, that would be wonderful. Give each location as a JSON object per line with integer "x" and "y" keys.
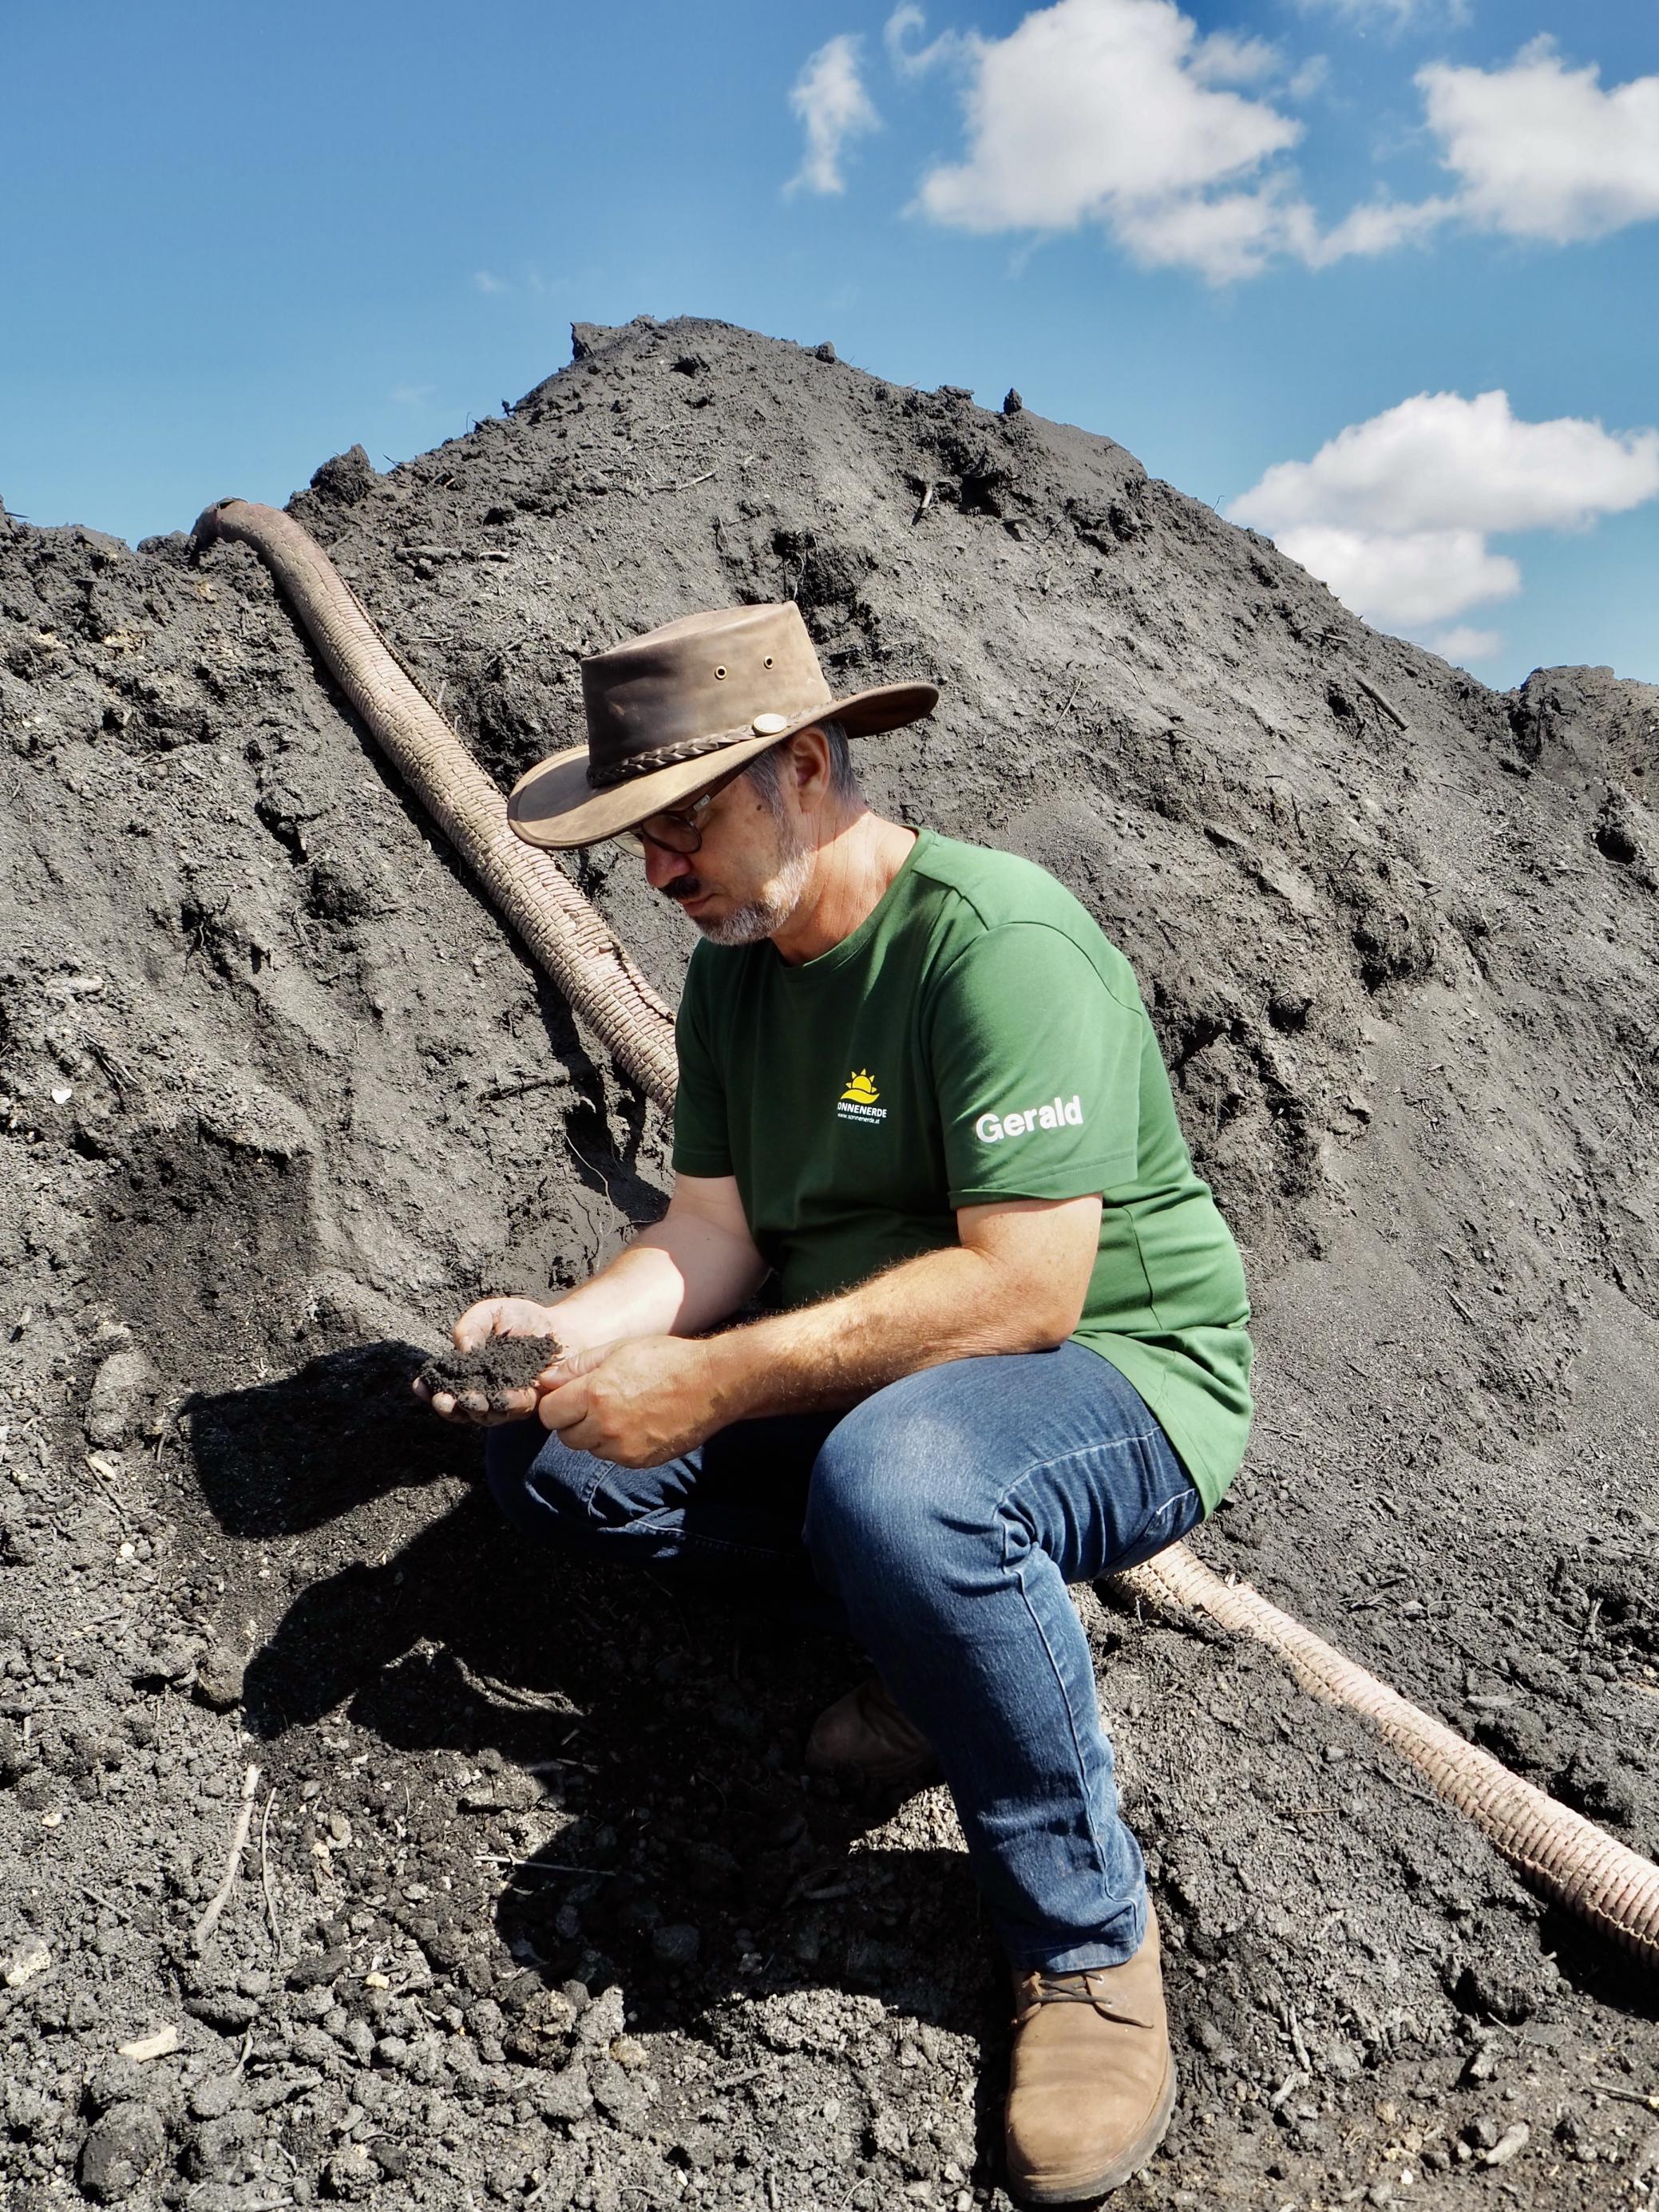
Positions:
{"x": 558, "y": 927}
{"x": 1565, "y": 1857}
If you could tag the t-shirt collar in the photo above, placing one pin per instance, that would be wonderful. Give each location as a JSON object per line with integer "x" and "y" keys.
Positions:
{"x": 838, "y": 956}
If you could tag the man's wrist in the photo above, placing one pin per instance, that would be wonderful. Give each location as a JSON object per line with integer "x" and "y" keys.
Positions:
{"x": 735, "y": 1375}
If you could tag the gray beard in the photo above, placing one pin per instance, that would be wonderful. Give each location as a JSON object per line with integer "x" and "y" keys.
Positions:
{"x": 763, "y": 916}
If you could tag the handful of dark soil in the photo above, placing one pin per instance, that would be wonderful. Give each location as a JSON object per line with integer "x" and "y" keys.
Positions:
{"x": 493, "y": 1369}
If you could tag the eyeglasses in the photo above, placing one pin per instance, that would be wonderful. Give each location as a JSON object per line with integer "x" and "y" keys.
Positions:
{"x": 676, "y": 829}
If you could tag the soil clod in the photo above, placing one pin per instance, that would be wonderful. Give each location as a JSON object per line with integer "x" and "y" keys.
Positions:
{"x": 491, "y": 1369}
{"x": 119, "y": 2150}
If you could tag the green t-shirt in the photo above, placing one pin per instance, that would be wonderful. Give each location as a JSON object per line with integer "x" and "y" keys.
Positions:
{"x": 976, "y": 1038}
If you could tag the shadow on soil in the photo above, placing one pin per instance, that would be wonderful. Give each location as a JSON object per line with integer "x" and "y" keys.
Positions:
{"x": 281, "y": 1458}
{"x": 1594, "y": 1969}
{"x": 660, "y": 1729}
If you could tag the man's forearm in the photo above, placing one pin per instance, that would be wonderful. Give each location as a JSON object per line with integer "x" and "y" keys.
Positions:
{"x": 950, "y": 1304}
{"x": 674, "y": 1278}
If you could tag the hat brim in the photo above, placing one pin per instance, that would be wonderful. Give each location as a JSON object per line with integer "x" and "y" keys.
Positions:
{"x": 553, "y": 805}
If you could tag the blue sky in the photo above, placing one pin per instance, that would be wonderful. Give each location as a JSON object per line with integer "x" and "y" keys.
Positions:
{"x": 233, "y": 241}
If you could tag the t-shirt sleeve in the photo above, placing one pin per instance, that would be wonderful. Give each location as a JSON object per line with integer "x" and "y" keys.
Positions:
{"x": 1037, "y": 1068}
{"x": 702, "y": 1144}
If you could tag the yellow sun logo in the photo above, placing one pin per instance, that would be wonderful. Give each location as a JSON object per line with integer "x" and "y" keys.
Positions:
{"x": 861, "y": 1091}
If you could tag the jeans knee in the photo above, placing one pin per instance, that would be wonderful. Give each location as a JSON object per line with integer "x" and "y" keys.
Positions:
{"x": 875, "y": 1523}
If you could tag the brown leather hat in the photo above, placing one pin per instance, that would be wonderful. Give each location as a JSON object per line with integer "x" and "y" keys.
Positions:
{"x": 669, "y": 712}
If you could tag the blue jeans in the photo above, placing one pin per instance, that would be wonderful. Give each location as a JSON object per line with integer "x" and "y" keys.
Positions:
{"x": 943, "y": 1519}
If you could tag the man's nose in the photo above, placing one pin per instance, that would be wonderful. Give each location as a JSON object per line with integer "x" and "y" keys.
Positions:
{"x": 662, "y": 867}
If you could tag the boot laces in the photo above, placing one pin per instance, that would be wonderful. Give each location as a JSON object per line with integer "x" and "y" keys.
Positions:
{"x": 1072, "y": 1989}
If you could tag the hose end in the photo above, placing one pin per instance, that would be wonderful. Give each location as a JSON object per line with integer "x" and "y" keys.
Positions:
{"x": 207, "y": 529}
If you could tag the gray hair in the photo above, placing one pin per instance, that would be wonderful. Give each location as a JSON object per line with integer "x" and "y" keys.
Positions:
{"x": 764, "y": 774}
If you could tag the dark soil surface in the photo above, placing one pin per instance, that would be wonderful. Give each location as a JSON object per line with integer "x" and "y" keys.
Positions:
{"x": 537, "y": 1906}
{"x": 494, "y": 1368}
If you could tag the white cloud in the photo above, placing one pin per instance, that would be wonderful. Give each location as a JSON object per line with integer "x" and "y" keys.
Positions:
{"x": 486, "y": 282}
{"x": 1120, "y": 113}
{"x": 1374, "y": 227}
{"x": 1439, "y": 461}
{"x": 1463, "y": 644}
{"x": 1223, "y": 236}
{"x": 1402, "y": 578}
{"x": 411, "y": 395}
{"x": 908, "y": 21}
{"x": 1310, "y": 77}
{"x": 1225, "y": 57}
{"x": 1540, "y": 150}
{"x": 1393, "y": 513}
{"x": 1093, "y": 109}
{"x": 830, "y": 98}
{"x": 1395, "y": 13}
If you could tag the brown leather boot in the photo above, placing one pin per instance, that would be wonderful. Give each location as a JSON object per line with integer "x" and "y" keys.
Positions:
{"x": 864, "y": 1734}
{"x": 1091, "y": 2083}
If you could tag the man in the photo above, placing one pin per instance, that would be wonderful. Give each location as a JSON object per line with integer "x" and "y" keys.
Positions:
{"x": 919, "y": 1088}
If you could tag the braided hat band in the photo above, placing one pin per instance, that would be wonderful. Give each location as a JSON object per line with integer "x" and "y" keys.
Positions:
{"x": 607, "y": 776}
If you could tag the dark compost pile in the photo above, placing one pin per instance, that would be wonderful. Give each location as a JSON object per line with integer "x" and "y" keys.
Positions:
{"x": 536, "y": 1905}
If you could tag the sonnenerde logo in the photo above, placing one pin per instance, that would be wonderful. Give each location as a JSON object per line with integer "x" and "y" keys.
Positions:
{"x": 994, "y": 1128}
{"x": 858, "y": 1102}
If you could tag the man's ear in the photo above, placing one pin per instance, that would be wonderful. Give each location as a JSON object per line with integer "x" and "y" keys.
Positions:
{"x": 809, "y": 763}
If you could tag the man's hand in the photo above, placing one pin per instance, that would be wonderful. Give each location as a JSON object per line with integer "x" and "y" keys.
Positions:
{"x": 497, "y": 1317}
{"x": 635, "y": 1404}
{"x": 687, "y": 1271}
